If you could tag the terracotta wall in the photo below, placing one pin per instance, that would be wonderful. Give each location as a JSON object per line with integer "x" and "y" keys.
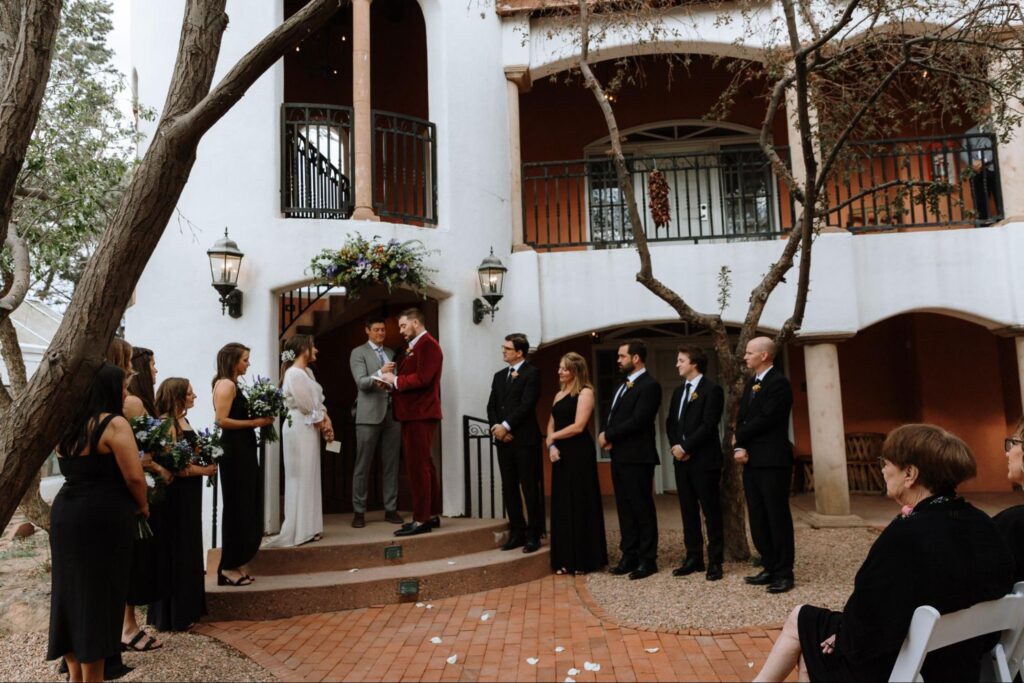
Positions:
{"x": 925, "y": 367}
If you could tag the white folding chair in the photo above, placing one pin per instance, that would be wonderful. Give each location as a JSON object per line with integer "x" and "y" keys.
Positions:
{"x": 930, "y": 631}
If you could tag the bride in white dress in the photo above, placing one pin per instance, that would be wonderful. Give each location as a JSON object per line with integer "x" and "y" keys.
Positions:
{"x": 303, "y": 505}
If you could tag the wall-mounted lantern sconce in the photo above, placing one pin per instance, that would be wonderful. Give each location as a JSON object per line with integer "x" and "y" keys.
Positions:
{"x": 225, "y": 263}
{"x": 492, "y": 282}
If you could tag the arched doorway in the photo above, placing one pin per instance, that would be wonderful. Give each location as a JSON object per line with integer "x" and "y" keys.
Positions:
{"x": 337, "y": 324}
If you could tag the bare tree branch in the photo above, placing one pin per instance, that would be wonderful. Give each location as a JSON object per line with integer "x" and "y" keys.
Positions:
{"x": 19, "y": 278}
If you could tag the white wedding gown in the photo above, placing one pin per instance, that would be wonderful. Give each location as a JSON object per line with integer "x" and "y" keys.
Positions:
{"x": 303, "y": 503}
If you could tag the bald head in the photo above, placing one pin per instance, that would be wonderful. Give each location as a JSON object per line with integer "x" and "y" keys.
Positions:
{"x": 760, "y": 354}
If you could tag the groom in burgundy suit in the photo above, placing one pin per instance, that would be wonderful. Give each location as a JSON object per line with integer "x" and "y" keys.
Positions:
{"x": 417, "y": 405}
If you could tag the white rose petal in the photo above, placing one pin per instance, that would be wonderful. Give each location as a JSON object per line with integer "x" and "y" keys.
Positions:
{"x": 574, "y": 672}
{"x": 591, "y": 666}
{"x": 485, "y": 616}
{"x": 419, "y": 604}
{"x": 430, "y": 607}
{"x": 559, "y": 649}
{"x": 451, "y": 561}
{"x": 570, "y": 680}
{"x": 750, "y": 665}
{"x": 532, "y": 661}
{"x": 652, "y": 650}
{"x": 353, "y": 570}
{"x": 453, "y": 659}
{"x": 435, "y": 640}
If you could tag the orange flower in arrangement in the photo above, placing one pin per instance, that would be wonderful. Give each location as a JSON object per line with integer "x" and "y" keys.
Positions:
{"x": 515, "y": 374}
{"x": 756, "y": 388}
{"x": 629, "y": 385}
{"x": 693, "y": 397}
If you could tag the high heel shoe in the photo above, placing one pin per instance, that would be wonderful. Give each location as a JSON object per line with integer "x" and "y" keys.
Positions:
{"x": 225, "y": 581}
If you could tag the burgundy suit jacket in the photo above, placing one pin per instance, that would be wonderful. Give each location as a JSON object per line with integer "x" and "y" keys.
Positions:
{"x": 418, "y": 391}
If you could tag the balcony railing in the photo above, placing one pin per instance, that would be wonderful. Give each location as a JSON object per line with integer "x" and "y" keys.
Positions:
{"x": 916, "y": 183}
{"x": 318, "y": 164}
{"x": 732, "y": 194}
{"x": 404, "y": 168}
{"x": 317, "y": 161}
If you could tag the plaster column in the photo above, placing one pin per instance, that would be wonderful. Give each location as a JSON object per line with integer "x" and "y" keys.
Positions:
{"x": 828, "y": 438}
{"x": 362, "y": 120}
{"x": 1011, "y": 172}
{"x": 518, "y": 80}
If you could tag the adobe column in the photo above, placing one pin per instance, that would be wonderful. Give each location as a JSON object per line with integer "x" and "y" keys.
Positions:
{"x": 518, "y": 80}
{"x": 362, "y": 124}
{"x": 828, "y": 438}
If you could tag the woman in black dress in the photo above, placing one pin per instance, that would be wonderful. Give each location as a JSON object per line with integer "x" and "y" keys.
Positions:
{"x": 92, "y": 529}
{"x": 185, "y": 600}
{"x": 578, "y": 543}
{"x": 241, "y": 527}
{"x": 151, "y": 560}
{"x": 1010, "y": 521}
{"x": 940, "y": 551}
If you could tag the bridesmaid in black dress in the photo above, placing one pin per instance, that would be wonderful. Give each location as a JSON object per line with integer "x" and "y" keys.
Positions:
{"x": 92, "y": 530}
{"x": 241, "y": 527}
{"x": 578, "y": 542}
{"x": 185, "y": 601}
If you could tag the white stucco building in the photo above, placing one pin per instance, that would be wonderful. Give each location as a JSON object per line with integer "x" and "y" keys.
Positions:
{"x": 433, "y": 120}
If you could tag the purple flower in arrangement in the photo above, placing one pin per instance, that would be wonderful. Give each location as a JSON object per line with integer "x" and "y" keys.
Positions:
{"x": 403, "y": 267}
{"x": 332, "y": 271}
{"x": 393, "y": 242}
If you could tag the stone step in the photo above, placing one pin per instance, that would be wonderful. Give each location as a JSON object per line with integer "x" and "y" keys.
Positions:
{"x": 375, "y": 545}
{"x": 280, "y": 596}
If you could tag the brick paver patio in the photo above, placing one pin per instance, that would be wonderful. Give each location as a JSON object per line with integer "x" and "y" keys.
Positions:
{"x": 393, "y": 642}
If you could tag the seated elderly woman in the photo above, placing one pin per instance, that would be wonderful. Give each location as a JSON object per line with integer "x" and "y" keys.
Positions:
{"x": 1011, "y": 520}
{"x": 939, "y": 551}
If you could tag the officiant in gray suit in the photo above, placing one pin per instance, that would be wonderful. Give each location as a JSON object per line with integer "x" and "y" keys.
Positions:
{"x": 375, "y": 424}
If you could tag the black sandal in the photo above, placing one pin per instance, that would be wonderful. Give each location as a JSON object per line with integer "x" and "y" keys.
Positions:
{"x": 225, "y": 581}
{"x": 149, "y": 646}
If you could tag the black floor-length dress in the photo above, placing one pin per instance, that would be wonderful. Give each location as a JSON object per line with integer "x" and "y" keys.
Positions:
{"x": 239, "y": 473}
{"x": 91, "y": 536}
{"x": 577, "y": 515}
{"x": 185, "y": 601}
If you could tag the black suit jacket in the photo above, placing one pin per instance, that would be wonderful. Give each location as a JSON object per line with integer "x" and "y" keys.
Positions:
{"x": 516, "y": 404}
{"x": 762, "y": 425}
{"x": 697, "y": 434}
{"x": 630, "y": 426}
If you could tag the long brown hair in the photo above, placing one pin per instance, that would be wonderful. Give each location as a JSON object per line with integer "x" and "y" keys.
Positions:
{"x": 119, "y": 353}
{"x": 577, "y": 365}
{"x": 227, "y": 361}
{"x": 170, "y": 398}
{"x": 298, "y": 344}
{"x": 141, "y": 383}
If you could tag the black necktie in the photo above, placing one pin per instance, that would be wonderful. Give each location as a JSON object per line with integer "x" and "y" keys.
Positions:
{"x": 508, "y": 377}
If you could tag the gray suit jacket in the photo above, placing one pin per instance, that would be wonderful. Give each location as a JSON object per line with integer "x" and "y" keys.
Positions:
{"x": 372, "y": 401}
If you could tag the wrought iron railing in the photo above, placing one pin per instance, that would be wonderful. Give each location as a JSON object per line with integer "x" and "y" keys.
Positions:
{"x": 480, "y": 461}
{"x": 916, "y": 182}
{"x": 404, "y": 168}
{"x": 727, "y": 194}
{"x": 317, "y": 161}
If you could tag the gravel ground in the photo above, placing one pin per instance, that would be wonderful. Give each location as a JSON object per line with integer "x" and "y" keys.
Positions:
{"x": 184, "y": 657}
{"x": 826, "y": 562}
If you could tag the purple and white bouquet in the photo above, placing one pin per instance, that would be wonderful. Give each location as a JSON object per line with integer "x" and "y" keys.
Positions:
{"x": 177, "y": 457}
{"x": 208, "y": 450}
{"x": 265, "y": 399}
{"x": 152, "y": 435}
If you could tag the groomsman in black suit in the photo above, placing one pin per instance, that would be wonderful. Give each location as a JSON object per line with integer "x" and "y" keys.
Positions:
{"x": 512, "y": 414}
{"x": 629, "y": 435}
{"x": 692, "y": 428}
{"x": 762, "y": 444}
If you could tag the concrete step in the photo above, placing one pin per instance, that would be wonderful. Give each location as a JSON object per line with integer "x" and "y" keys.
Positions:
{"x": 375, "y": 545}
{"x": 279, "y": 596}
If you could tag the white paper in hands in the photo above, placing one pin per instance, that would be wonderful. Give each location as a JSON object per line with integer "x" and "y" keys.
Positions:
{"x": 333, "y": 446}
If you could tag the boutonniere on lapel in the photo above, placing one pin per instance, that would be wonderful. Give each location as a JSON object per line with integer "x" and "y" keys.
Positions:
{"x": 757, "y": 387}
{"x": 694, "y": 396}
{"x": 408, "y": 352}
{"x": 629, "y": 385}
{"x": 515, "y": 374}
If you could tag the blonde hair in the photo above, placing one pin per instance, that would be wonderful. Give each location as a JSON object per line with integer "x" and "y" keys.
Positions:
{"x": 577, "y": 366}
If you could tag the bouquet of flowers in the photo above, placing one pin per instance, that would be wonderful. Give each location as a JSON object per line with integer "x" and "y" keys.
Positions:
{"x": 362, "y": 263}
{"x": 152, "y": 435}
{"x": 177, "y": 457}
{"x": 265, "y": 399}
{"x": 208, "y": 450}
{"x": 156, "y": 491}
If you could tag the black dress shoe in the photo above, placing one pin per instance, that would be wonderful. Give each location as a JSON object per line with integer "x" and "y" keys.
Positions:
{"x": 780, "y": 586}
{"x": 414, "y": 529}
{"x": 531, "y": 546}
{"x": 762, "y": 579}
{"x": 623, "y": 568}
{"x": 714, "y": 572}
{"x": 434, "y": 522}
{"x": 358, "y": 520}
{"x": 393, "y": 517}
{"x": 514, "y": 542}
{"x": 643, "y": 571}
{"x": 690, "y": 566}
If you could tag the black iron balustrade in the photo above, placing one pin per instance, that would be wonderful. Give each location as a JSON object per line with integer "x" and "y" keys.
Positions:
{"x": 295, "y": 302}
{"x": 404, "y": 168}
{"x": 317, "y": 161}
{"x": 480, "y": 457}
{"x": 726, "y": 194}
{"x": 916, "y": 182}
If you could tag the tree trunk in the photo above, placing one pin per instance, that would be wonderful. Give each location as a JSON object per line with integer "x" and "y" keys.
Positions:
{"x": 35, "y": 509}
{"x": 33, "y": 424}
